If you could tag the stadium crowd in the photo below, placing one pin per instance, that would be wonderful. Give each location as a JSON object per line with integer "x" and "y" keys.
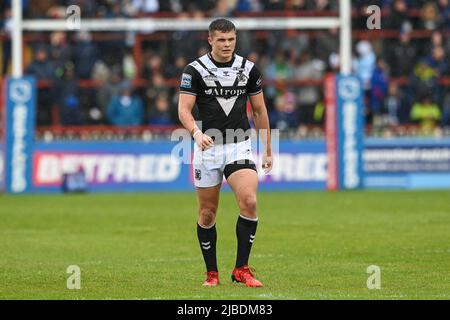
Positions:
{"x": 402, "y": 74}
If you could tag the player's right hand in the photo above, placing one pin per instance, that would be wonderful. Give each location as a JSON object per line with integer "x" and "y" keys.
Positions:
{"x": 203, "y": 140}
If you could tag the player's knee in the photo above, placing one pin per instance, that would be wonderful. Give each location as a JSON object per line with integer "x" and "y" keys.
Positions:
{"x": 207, "y": 216}
{"x": 248, "y": 205}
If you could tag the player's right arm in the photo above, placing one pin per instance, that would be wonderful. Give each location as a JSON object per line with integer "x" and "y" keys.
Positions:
{"x": 186, "y": 102}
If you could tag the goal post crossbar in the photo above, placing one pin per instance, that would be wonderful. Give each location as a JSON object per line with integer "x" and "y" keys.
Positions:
{"x": 343, "y": 22}
{"x": 173, "y": 24}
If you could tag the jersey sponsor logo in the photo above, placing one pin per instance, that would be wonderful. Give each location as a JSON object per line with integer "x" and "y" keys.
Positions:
{"x": 186, "y": 81}
{"x": 258, "y": 82}
{"x": 225, "y": 93}
{"x": 210, "y": 77}
{"x": 105, "y": 168}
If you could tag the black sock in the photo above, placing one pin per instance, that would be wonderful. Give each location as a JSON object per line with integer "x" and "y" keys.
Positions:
{"x": 207, "y": 239}
{"x": 245, "y": 232}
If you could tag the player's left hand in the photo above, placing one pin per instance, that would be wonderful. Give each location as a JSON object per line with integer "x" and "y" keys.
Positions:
{"x": 267, "y": 163}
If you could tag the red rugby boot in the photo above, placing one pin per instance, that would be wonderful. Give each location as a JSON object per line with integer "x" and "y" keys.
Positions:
{"x": 212, "y": 279}
{"x": 245, "y": 275}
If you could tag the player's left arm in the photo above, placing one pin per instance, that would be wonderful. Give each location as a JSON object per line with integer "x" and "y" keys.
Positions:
{"x": 260, "y": 116}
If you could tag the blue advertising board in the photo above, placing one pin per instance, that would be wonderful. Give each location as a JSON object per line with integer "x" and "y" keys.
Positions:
{"x": 19, "y": 134}
{"x": 299, "y": 165}
{"x": 407, "y": 163}
{"x": 350, "y": 132}
{"x": 140, "y": 166}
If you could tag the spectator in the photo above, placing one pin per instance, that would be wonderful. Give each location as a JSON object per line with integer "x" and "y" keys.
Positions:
{"x": 158, "y": 87}
{"x": 125, "y": 109}
{"x": 85, "y": 55}
{"x": 174, "y": 70}
{"x": 437, "y": 40}
{"x": 284, "y": 116}
{"x": 424, "y": 81}
{"x": 379, "y": 88}
{"x": 365, "y": 63}
{"x": 248, "y": 6}
{"x": 308, "y": 95}
{"x": 43, "y": 70}
{"x": 326, "y": 43}
{"x": 430, "y": 16}
{"x": 398, "y": 15}
{"x": 438, "y": 61}
{"x": 129, "y": 65}
{"x": 145, "y": 6}
{"x": 160, "y": 114}
{"x": 41, "y": 67}
{"x": 446, "y": 111}
{"x": 298, "y": 5}
{"x": 402, "y": 56}
{"x": 223, "y": 8}
{"x": 273, "y": 5}
{"x": 278, "y": 70}
{"x": 395, "y": 105}
{"x": 427, "y": 114}
{"x": 153, "y": 65}
{"x": 324, "y": 5}
{"x": 444, "y": 9}
{"x": 109, "y": 88}
{"x": 68, "y": 97}
{"x": 60, "y": 52}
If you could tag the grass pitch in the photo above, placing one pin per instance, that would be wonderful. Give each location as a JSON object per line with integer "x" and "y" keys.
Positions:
{"x": 308, "y": 246}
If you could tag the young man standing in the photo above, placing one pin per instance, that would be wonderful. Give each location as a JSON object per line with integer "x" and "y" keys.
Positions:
{"x": 220, "y": 83}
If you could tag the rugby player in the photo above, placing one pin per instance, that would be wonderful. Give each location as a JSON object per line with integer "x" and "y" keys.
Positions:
{"x": 220, "y": 83}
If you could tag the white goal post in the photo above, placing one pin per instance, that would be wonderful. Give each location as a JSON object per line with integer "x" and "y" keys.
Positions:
{"x": 343, "y": 22}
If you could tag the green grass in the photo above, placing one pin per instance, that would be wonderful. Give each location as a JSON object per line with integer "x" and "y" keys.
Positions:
{"x": 313, "y": 245}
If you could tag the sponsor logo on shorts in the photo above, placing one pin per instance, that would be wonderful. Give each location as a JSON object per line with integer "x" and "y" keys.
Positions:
{"x": 198, "y": 174}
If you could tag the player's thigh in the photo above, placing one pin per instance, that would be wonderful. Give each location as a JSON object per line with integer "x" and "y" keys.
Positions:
{"x": 208, "y": 199}
{"x": 244, "y": 183}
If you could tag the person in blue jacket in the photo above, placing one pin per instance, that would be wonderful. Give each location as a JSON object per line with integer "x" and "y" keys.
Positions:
{"x": 125, "y": 109}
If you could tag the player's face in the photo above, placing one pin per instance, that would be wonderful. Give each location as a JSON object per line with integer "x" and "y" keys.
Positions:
{"x": 223, "y": 44}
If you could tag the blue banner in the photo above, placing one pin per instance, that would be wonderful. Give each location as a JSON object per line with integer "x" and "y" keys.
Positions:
{"x": 141, "y": 166}
{"x": 19, "y": 133}
{"x": 299, "y": 165}
{"x": 407, "y": 163}
{"x": 350, "y": 132}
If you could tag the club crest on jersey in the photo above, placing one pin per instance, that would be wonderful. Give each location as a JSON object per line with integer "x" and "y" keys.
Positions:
{"x": 186, "y": 81}
{"x": 241, "y": 77}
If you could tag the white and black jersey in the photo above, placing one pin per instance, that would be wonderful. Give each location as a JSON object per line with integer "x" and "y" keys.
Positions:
{"x": 222, "y": 90}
